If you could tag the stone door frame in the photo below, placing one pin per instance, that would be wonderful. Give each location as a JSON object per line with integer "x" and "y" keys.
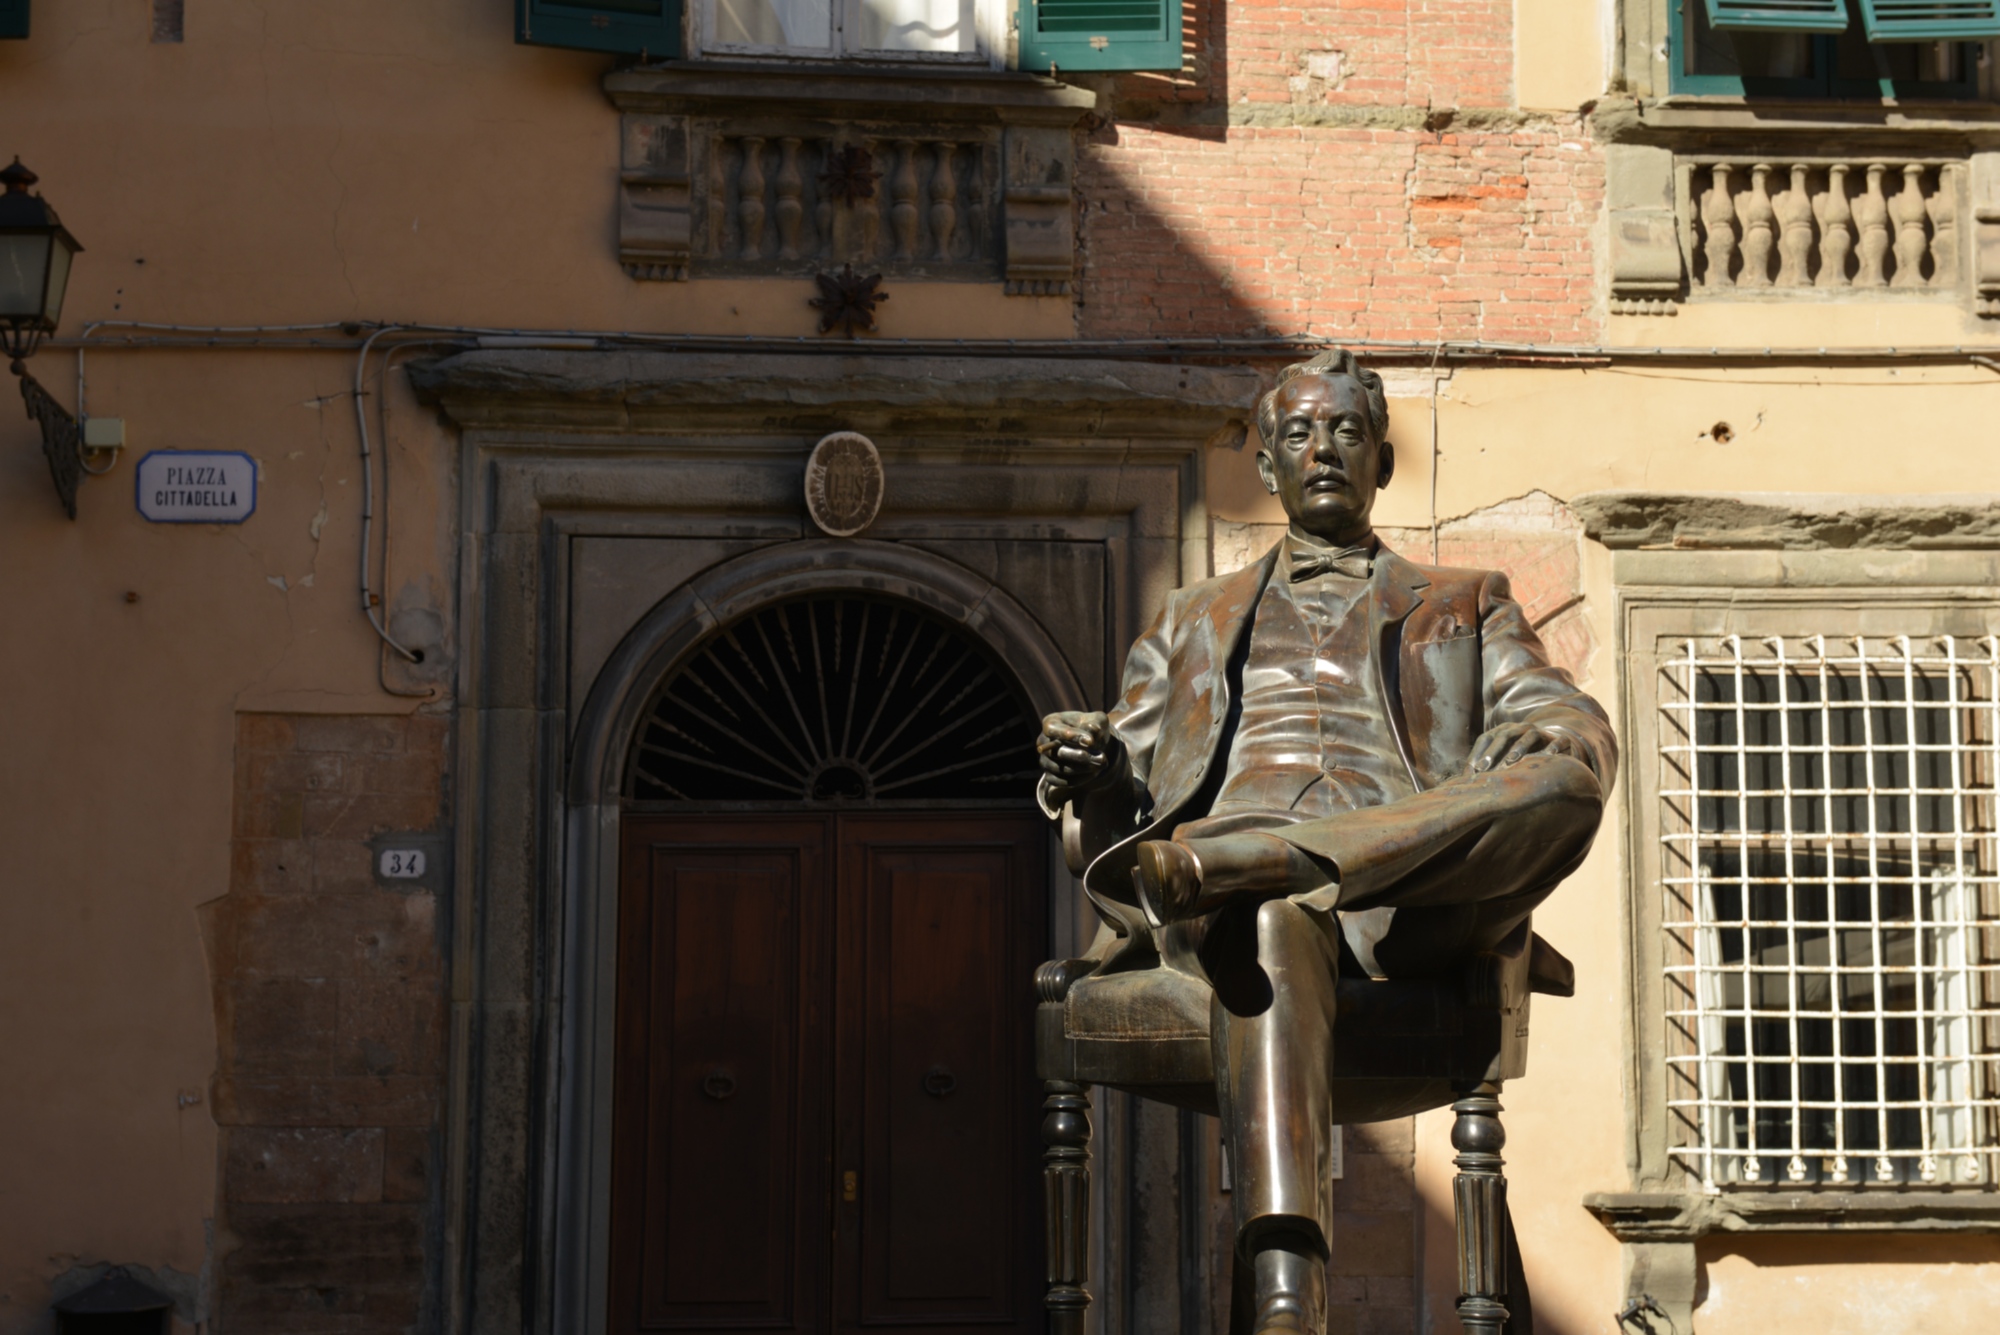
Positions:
{"x": 557, "y": 447}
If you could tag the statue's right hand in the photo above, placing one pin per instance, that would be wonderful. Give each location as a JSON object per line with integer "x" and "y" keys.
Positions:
{"x": 1077, "y": 749}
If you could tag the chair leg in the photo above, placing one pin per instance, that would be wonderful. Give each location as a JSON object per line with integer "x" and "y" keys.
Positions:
{"x": 1066, "y": 1188}
{"x": 1479, "y": 1198}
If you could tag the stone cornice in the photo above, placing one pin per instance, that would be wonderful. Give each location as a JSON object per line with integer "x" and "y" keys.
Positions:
{"x": 1682, "y": 1217}
{"x": 1787, "y": 521}
{"x": 661, "y": 391}
{"x": 927, "y": 93}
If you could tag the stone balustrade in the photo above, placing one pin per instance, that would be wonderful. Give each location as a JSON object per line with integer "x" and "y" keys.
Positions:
{"x": 1793, "y": 226}
{"x": 801, "y": 201}
{"x": 1752, "y": 226}
{"x": 736, "y": 172}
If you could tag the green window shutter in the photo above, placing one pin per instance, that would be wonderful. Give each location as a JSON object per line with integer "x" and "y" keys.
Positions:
{"x": 1101, "y": 34}
{"x": 1929, "y": 20}
{"x": 649, "y": 27}
{"x": 13, "y": 18}
{"x": 1779, "y": 15}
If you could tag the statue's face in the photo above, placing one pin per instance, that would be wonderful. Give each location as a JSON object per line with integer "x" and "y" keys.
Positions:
{"x": 1324, "y": 462}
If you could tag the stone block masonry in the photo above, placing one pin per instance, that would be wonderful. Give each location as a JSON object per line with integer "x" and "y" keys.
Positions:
{"x": 330, "y": 1023}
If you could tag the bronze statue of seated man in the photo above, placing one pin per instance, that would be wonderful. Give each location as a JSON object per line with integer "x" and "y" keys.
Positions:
{"x": 1333, "y": 758}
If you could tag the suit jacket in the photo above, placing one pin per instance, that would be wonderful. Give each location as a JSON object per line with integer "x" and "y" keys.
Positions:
{"x": 1457, "y": 657}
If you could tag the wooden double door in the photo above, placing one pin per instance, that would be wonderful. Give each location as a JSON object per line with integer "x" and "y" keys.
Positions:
{"x": 825, "y": 1109}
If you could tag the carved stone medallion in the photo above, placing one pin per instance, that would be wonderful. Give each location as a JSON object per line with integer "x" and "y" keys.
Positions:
{"x": 844, "y": 484}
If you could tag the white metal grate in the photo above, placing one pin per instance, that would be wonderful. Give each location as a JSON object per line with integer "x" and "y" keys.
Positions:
{"x": 1832, "y": 910}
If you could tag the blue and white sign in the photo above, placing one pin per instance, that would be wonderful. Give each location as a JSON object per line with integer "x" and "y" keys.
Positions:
{"x": 197, "y": 487}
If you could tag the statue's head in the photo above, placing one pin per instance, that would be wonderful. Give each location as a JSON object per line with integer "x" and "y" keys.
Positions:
{"x": 1326, "y": 450}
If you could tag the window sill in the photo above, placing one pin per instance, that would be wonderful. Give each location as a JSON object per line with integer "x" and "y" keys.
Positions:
{"x": 887, "y": 89}
{"x": 1688, "y": 121}
{"x": 1683, "y": 1217}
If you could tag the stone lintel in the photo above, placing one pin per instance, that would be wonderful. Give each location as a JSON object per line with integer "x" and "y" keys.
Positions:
{"x": 1787, "y": 521}
{"x": 657, "y": 391}
{"x": 1666, "y": 1217}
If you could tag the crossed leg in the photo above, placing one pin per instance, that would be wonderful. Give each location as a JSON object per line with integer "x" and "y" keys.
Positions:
{"x": 1459, "y": 867}
{"x": 1461, "y": 864}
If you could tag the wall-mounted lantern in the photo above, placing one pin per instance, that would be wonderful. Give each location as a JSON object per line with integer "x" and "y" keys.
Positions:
{"x": 35, "y": 251}
{"x": 35, "y": 254}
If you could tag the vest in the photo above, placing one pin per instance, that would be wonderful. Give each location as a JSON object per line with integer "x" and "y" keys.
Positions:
{"x": 1314, "y": 736}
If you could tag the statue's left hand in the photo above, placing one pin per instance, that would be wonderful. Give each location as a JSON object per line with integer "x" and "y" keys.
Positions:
{"x": 1502, "y": 746}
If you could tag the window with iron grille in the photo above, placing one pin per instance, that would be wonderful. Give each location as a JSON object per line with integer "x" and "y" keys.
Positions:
{"x": 1831, "y": 879}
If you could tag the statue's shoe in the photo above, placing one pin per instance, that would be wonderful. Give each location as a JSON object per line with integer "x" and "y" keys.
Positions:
{"x": 1169, "y": 881}
{"x": 1291, "y": 1293}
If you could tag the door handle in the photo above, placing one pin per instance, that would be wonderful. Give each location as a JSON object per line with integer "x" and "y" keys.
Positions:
{"x": 718, "y": 1084}
{"x": 850, "y": 1185}
{"x": 939, "y": 1082}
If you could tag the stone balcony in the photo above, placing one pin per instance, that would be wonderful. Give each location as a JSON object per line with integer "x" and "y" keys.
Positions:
{"x": 952, "y": 174}
{"x": 1726, "y": 204}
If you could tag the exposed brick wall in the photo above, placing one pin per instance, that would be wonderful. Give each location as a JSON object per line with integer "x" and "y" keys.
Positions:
{"x": 1371, "y": 1277}
{"x": 1349, "y": 170}
{"x": 1341, "y": 232}
{"x": 330, "y": 1017}
{"x": 1371, "y": 1286}
{"x": 1263, "y": 54}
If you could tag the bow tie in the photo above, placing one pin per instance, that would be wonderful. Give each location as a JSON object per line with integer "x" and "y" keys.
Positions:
{"x": 1310, "y": 563}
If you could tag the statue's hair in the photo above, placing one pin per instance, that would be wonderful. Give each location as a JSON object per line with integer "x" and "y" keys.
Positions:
{"x": 1334, "y": 362}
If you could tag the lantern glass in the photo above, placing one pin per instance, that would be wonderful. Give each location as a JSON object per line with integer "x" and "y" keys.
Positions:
{"x": 61, "y": 248}
{"x": 25, "y": 274}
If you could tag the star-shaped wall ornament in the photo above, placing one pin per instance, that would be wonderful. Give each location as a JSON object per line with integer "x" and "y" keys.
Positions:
{"x": 847, "y": 301}
{"x": 850, "y": 174}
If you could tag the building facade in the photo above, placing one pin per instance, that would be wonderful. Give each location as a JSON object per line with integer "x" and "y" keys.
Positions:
{"x": 488, "y": 885}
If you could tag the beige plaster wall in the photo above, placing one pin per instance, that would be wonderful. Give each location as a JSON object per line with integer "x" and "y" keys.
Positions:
{"x": 1881, "y": 431}
{"x": 1786, "y": 321}
{"x": 1898, "y": 1286}
{"x": 370, "y": 160}
{"x": 129, "y": 649}
{"x": 1560, "y": 52}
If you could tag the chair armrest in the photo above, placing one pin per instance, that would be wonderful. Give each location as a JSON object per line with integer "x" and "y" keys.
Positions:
{"x": 1054, "y": 979}
{"x": 1497, "y": 979}
{"x": 1071, "y": 826}
{"x": 1094, "y": 819}
{"x": 1548, "y": 972}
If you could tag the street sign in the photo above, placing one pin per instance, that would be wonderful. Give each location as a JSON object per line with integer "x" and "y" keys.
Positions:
{"x": 197, "y": 487}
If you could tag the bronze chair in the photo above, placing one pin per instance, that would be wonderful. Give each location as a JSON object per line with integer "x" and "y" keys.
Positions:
{"x": 1401, "y": 1047}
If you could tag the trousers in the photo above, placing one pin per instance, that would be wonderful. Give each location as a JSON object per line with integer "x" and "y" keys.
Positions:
{"x": 1456, "y": 868}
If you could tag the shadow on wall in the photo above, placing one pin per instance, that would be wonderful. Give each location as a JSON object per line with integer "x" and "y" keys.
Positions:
{"x": 1331, "y": 181}
{"x": 1437, "y": 1289}
{"x": 1339, "y": 233}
